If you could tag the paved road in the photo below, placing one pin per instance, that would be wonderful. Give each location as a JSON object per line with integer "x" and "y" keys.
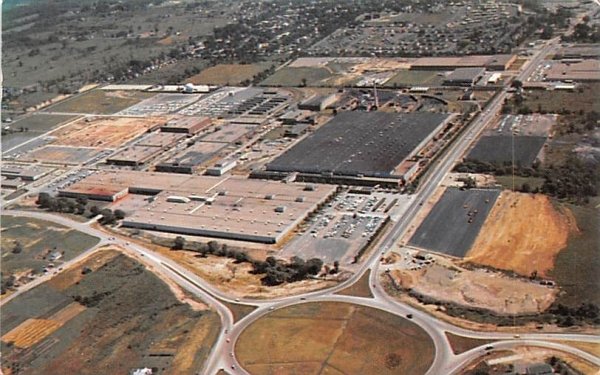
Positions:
{"x": 445, "y": 362}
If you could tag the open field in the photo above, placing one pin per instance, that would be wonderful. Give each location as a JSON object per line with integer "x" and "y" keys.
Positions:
{"x": 303, "y": 76}
{"x": 227, "y": 74}
{"x": 36, "y": 125}
{"x": 38, "y": 239}
{"x": 558, "y": 101}
{"x": 114, "y": 318}
{"x": 461, "y": 214}
{"x": 105, "y": 132}
{"x": 578, "y": 262}
{"x": 334, "y": 338}
{"x": 101, "y": 102}
{"x": 523, "y": 233}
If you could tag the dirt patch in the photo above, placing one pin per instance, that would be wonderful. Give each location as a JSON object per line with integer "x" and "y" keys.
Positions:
{"x": 523, "y": 233}
{"x": 106, "y": 132}
{"x": 478, "y": 288}
{"x": 334, "y": 338}
{"x": 227, "y": 74}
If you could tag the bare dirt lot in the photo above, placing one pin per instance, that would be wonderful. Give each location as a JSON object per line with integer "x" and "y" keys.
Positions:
{"x": 115, "y": 317}
{"x": 334, "y": 338}
{"x": 106, "y": 132}
{"x": 523, "y": 233}
{"x": 477, "y": 288}
{"x": 227, "y": 74}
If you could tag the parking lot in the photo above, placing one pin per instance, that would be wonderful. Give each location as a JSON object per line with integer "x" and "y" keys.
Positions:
{"x": 342, "y": 228}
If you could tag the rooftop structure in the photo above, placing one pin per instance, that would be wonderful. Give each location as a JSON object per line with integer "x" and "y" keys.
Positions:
{"x": 318, "y": 102}
{"x": 160, "y": 139}
{"x": 134, "y": 155}
{"x": 464, "y": 77}
{"x": 228, "y": 133}
{"x": 30, "y": 173}
{"x": 188, "y": 125}
{"x": 191, "y": 158}
{"x": 361, "y": 144}
{"x": 587, "y": 70}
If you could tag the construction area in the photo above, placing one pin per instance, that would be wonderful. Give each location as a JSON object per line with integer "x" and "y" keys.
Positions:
{"x": 371, "y": 144}
{"x": 523, "y": 233}
{"x": 220, "y": 207}
{"x": 444, "y": 280}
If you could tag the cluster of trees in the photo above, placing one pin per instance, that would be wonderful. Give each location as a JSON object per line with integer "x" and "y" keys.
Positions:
{"x": 584, "y": 33}
{"x": 570, "y": 316}
{"x": 575, "y": 180}
{"x": 278, "y": 272}
{"x": 211, "y": 248}
{"x": 77, "y": 207}
{"x": 62, "y": 204}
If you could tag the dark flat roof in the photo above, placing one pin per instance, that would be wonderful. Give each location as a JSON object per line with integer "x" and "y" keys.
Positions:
{"x": 368, "y": 143}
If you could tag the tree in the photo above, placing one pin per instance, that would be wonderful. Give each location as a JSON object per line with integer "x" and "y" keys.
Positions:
{"x": 241, "y": 257}
{"x": 119, "y": 214}
{"x": 213, "y": 247}
{"x": 108, "y": 217}
{"x": 525, "y": 188}
{"x": 17, "y": 248}
{"x": 94, "y": 210}
{"x": 336, "y": 266}
{"x": 44, "y": 200}
{"x": 314, "y": 265}
{"x": 179, "y": 243}
{"x": 517, "y": 84}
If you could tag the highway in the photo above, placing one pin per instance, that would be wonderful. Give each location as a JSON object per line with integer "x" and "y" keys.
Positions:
{"x": 445, "y": 362}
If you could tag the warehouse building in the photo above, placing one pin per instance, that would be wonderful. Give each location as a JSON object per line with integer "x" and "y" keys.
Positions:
{"x": 188, "y": 125}
{"x": 219, "y": 207}
{"x": 318, "y": 103}
{"x": 362, "y": 144}
{"x": 134, "y": 155}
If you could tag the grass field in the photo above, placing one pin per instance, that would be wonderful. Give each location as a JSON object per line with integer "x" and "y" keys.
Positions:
{"x": 38, "y": 238}
{"x": 507, "y": 182}
{"x": 334, "y": 338}
{"x": 461, "y": 344}
{"x": 227, "y": 74}
{"x": 100, "y": 102}
{"x": 111, "y": 320}
{"x": 360, "y": 288}
{"x": 575, "y": 267}
{"x": 560, "y": 100}
{"x": 295, "y": 76}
